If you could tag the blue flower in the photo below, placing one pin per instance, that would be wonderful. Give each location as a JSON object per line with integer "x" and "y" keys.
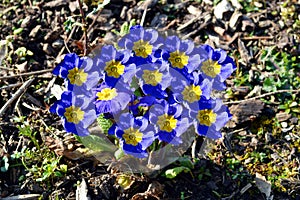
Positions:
{"x": 137, "y": 103}
{"x": 135, "y": 134}
{"x": 170, "y": 121}
{"x": 153, "y": 80}
{"x": 182, "y": 55}
{"x": 112, "y": 63}
{"x": 142, "y": 42}
{"x": 80, "y": 73}
{"x": 211, "y": 117}
{"x": 112, "y": 99}
{"x": 189, "y": 92}
{"x": 217, "y": 67}
{"x": 77, "y": 112}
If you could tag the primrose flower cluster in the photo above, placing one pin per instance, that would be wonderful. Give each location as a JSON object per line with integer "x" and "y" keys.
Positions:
{"x": 151, "y": 88}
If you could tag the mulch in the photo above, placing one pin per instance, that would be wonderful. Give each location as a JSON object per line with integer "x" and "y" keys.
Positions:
{"x": 26, "y": 86}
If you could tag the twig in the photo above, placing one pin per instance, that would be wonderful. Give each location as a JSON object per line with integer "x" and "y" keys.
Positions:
{"x": 191, "y": 21}
{"x": 94, "y": 20}
{"x": 258, "y": 38}
{"x": 262, "y": 96}
{"x": 26, "y": 74}
{"x": 173, "y": 22}
{"x": 193, "y": 150}
{"x": 144, "y": 14}
{"x": 66, "y": 43}
{"x": 83, "y": 28}
{"x": 11, "y": 86}
{"x": 18, "y": 93}
{"x": 23, "y": 197}
{"x": 5, "y": 68}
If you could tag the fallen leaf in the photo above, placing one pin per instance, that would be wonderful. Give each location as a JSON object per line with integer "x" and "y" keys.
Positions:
{"x": 263, "y": 185}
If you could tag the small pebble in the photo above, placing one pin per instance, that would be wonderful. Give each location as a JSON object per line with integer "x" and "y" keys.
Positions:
{"x": 284, "y": 124}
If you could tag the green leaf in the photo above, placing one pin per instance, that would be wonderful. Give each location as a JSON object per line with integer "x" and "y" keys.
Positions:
{"x": 18, "y": 31}
{"x": 104, "y": 123}
{"x": 186, "y": 162}
{"x": 63, "y": 168}
{"x": 282, "y": 107}
{"x": 132, "y": 23}
{"x": 293, "y": 104}
{"x": 268, "y": 84}
{"x": 172, "y": 173}
{"x": 119, "y": 154}
{"x": 124, "y": 29}
{"x": 296, "y": 110}
{"x": 97, "y": 143}
{"x": 58, "y": 174}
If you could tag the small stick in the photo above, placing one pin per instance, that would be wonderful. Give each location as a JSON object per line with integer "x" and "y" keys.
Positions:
{"x": 5, "y": 68}
{"x": 26, "y": 74}
{"x": 257, "y": 38}
{"x": 144, "y": 14}
{"x": 83, "y": 28}
{"x": 23, "y": 197}
{"x": 191, "y": 21}
{"x": 10, "y": 86}
{"x": 18, "y": 93}
{"x": 94, "y": 20}
{"x": 261, "y": 96}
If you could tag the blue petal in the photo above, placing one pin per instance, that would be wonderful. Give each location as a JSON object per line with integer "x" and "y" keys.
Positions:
{"x": 206, "y": 103}
{"x": 89, "y": 118}
{"x": 213, "y": 133}
{"x": 172, "y": 43}
{"x": 69, "y": 127}
{"x": 108, "y": 52}
{"x": 155, "y": 91}
{"x": 140, "y": 123}
{"x": 169, "y": 137}
{"x": 202, "y": 129}
{"x": 125, "y": 120}
{"x": 92, "y": 80}
{"x": 112, "y": 130}
{"x": 136, "y": 151}
{"x": 182, "y": 126}
{"x": 186, "y": 46}
{"x": 221, "y": 120}
{"x": 155, "y": 111}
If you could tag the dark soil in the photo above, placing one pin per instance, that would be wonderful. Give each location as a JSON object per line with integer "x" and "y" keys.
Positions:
{"x": 45, "y": 33}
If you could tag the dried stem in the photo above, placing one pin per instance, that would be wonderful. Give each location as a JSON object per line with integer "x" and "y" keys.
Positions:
{"x": 262, "y": 96}
{"x": 83, "y": 28}
{"x": 19, "y": 92}
{"x": 26, "y": 74}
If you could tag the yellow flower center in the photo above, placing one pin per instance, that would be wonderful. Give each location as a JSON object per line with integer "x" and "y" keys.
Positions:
{"x": 206, "y": 117}
{"x": 74, "y": 114}
{"x": 167, "y": 122}
{"x": 192, "y": 93}
{"x": 132, "y": 136}
{"x": 114, "y": 68}
{"x": 152, "y": 77}
{"x": 107, "y": 94}
{"x": 142, "y": 48}
{"x": 178, "y": 59}
{"x": 77, "y": 76}
{"x": 211, "y": 68}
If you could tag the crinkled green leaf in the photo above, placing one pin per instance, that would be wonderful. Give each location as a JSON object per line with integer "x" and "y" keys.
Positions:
{"x": 172, "y": 173}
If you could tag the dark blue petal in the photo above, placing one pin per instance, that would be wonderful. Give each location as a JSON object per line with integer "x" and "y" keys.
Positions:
{"x": 169, "y": 137}
{"x": 202, "y": 129}
{"x": 155, "y": 91}
{"x": 112, "y": 130}
{"x": 135, "y": 151}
